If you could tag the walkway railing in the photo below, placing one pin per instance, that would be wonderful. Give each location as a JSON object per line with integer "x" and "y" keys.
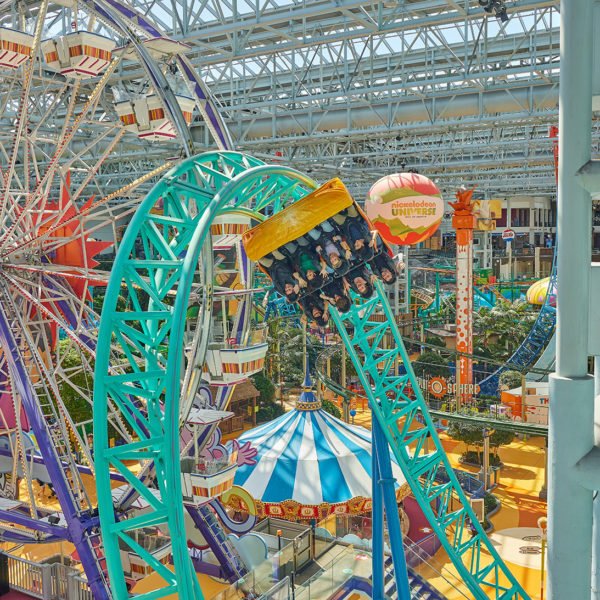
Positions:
{"x": 47, "y": 581}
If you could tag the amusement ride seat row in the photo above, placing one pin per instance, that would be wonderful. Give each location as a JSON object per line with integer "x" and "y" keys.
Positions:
{"x": 326, "y": 248}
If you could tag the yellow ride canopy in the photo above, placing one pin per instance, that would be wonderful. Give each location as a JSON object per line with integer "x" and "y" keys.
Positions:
{"x": 297, "y": 219}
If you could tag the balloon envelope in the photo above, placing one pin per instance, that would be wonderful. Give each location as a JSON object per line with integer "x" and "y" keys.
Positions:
{"x": 406, "y": 208}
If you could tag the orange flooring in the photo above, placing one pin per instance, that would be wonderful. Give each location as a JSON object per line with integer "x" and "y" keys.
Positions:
{"x": 210, "y": 586}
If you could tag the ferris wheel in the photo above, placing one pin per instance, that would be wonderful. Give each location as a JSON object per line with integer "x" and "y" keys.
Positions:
{"x": 92, "y": 94}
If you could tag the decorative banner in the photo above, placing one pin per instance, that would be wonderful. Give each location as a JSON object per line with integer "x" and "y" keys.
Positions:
{"x": 487, "y": 212}
{"x": 406, "y": 208}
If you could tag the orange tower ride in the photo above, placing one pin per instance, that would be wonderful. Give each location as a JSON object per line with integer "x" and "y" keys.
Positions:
{"x": 464, "y": 221}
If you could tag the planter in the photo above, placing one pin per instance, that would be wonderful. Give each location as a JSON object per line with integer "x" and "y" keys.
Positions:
{"x": 467, "y": 458}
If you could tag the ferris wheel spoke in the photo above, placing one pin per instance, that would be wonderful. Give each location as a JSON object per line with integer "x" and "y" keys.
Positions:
{"x": 63, "y": 144}
{"x": 56, "y": 98}
{"x": 62, "y": 118}
{"x": 22, "y": 111}
{"x": 25, "y": 464}
{"x": 92, "y": 209}
{"x": 76, "y": 273}
{"x": 50, "y": 405}
{"x": 8, "y": 95}
{"x": 93, "y": 169}
{"x": 82, "y": 340}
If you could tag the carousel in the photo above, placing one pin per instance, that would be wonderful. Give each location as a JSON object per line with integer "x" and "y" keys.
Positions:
{"x": 310, "y": 464}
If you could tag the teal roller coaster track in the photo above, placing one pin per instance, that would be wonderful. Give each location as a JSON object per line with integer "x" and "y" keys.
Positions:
{"x": 164, "y": 254}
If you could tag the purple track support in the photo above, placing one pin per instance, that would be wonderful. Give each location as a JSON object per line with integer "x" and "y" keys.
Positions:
{"x": 14, "y": 517}
{"x": 77, "y": 527}
{"x": 203, "y": 518}
{"x": 237, "y": 527}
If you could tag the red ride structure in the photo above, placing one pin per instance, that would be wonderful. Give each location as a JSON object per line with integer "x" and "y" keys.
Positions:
{"x": 464, "y": 221}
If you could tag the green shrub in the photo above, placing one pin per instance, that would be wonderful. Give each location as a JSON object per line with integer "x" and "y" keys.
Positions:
{"x": 510, "y": 379}
{"x": 269, "y": 412}
{"x": 476, "y": 458}
{"x": 435, "y": 340}
{"x": 431, "y": 364}
{"x": 265, "y": 386}
{"x": 264, "y": 414}
{"x": 331, "y": 408}
{"x": 490, "y": 502}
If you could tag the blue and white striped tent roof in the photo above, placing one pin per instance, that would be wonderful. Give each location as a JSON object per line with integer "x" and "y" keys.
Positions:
{"x": 309, "y": 456}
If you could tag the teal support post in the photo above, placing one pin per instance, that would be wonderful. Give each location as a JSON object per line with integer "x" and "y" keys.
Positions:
{"x": 377, "y": 526}
{"x": 398, "y": 406}
{"x": 437, "y": 292}
{"x": 571, "y": 411}
{"x": 386, "y": 482}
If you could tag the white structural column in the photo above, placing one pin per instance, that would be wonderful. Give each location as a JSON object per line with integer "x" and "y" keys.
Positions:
{"x": 571, "y": 388}
{"x": 596, "y": 508}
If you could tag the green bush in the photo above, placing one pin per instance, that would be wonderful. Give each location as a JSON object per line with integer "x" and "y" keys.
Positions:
{"x": 476, "y": 458}
{"x": 264, "y": 415}
{"x": 431, "y": 364}
{"x": 268, "y": 409}
{"x": 489, "y": 502}
{"x": 510, "y": 379}
{"x": 265, "y": 386}
{"x": 469, "y": 433}
{"x": 331, "y": 408}
{"x": 269, "y": 412}
{"x": 435, "y": 340}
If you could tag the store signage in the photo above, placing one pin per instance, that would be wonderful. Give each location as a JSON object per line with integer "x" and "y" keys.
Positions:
{"x": 439, "y": 386}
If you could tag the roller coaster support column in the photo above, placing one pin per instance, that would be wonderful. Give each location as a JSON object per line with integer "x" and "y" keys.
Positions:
{"x": 464, "y": 221}
{"x": 377, "y": 533}
{"x": 571, "y": 413}
{"x": 386, "y": 482}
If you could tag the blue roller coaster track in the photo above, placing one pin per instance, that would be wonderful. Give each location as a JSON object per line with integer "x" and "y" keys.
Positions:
{"x": 533, "y": 345}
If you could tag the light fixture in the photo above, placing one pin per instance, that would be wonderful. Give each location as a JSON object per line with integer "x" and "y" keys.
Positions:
{"x": 501, "y": 14}
{"x": 495, "y": 6}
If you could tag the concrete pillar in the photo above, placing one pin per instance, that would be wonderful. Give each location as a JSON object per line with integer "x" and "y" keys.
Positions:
{"x": 596, "y": 505}
{"x": 571, "y": 409}
{"x": 531, "y": 227}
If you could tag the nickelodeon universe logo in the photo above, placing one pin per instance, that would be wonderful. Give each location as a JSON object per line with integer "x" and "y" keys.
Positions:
{"x": 414, "y": 208}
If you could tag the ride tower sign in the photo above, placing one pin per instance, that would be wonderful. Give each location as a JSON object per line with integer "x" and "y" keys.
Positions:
{"x": 406, "y": 208}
